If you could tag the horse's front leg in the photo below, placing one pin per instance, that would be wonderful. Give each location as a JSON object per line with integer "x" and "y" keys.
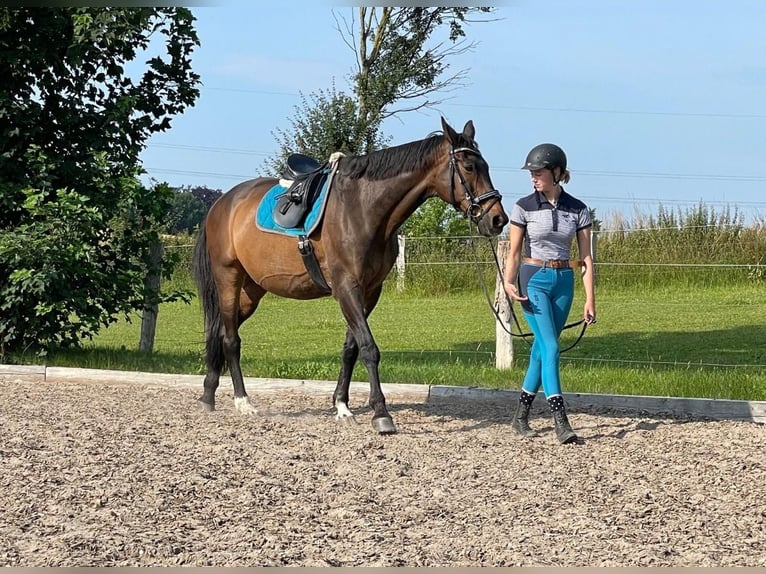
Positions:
{"x": 340, "y": 397}
{"x": 352, "y": 306}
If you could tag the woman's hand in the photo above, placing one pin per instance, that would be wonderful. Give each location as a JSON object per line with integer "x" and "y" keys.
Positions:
{"x": 589, "y": 313}
{"x": 512, "y": 291}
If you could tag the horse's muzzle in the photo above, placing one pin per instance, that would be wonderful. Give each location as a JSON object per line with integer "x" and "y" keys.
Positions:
{"x": 492, "y": 220}
{"x": 491, "y": 225}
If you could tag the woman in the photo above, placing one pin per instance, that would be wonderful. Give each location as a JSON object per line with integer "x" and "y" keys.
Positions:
{"x": 545, "y": 222}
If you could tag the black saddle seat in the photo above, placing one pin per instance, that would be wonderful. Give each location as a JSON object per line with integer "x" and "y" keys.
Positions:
{"x": 300, "y": 165}
{"x": 305, "y": 187}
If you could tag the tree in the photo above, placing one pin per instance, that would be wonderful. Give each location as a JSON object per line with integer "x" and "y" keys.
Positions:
{"x": 324, "y": 125}
{"x": 205, "y": 194}
{"x": 435, "y": 218}
{"x": 188, "y": 208}
{"x": 185, "y": 214}
{"x": 397, "y": 62}
{"x": 76, "y": 226}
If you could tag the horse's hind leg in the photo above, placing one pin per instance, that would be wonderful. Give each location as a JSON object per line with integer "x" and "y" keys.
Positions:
{"x": 235, "y": 304}
{"x": 247, "y": 302}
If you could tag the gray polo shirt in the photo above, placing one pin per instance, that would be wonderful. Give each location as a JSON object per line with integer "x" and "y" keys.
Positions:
{"x": 549, "y": 230}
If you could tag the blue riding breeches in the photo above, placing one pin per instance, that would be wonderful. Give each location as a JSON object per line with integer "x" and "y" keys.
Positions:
{"x": 550, "y": 293}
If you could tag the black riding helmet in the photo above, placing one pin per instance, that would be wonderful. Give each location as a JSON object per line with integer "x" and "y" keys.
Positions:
{"x": 546, "y": 155}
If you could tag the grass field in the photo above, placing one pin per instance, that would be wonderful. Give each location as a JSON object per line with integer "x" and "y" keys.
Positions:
{"x": 707, "y": 342}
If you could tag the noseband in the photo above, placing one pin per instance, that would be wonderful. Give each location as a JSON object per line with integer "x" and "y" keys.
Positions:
{"x": 474, "y": 210}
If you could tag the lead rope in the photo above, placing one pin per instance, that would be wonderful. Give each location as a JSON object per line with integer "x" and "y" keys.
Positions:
{"x": 495, "y": 312}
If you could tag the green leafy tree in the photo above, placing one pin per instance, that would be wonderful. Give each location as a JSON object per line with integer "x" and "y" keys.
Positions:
{"x": 205, "y": 194}
{"x": 401, "y": 59}
{"x": 76, "y": 226}
{"x": 188, "y": 208}
{"x": 436, "y": 219}
{"x": 324, "y": 123}
{"x": 185, "y": 213}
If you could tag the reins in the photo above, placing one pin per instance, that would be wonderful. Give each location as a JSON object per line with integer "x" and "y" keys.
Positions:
{"x": 495, "y": 312}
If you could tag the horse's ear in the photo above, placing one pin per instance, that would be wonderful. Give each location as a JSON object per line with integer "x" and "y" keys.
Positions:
{"x": 469, "y": 131}
{"x": 449, "y": 132}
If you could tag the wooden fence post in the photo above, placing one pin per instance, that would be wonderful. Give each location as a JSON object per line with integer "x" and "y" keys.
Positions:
{"x": 593, "y": 245}
{"x": 401, "y": 263}
{"x": 151, "y": 306}
{"x": 503, "y": 341}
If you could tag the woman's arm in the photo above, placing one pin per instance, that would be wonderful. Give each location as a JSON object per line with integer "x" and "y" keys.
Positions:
{"x": 512, "y": 262}
{"x": 588, "y": 279}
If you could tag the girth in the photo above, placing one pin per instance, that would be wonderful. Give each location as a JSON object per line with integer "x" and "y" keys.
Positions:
{"x": 311, "y": 263}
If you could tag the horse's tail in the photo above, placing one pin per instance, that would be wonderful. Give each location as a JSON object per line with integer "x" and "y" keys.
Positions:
{"x": 208, "y": 294}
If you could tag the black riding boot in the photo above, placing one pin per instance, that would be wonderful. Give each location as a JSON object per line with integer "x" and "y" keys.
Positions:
{"x": 520, "y": 422}
{"x": 564, "y": 431}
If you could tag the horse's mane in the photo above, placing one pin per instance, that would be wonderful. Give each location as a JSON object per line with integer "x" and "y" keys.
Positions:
{"x": 391, "y": 161}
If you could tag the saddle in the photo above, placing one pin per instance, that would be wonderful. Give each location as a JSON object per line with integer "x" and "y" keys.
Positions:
{"x": 306, "y": 176}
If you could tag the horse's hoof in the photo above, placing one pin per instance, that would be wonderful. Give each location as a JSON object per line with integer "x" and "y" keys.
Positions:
{"x": 243, "y": 406}
{"x": 384, "y": 425}
{"x": 206, "y": 407}
{"x": 346, "y": 419}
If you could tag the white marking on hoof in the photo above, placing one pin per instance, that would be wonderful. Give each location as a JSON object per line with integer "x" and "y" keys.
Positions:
{"x": 344, "y": 413}
{"x": 243, "y": 406}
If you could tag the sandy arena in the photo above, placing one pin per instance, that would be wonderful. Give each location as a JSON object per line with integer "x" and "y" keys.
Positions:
{"x": 116, "y": 475}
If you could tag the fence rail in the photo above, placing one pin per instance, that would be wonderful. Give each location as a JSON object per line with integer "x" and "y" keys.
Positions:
{"x": 429, "y": 265}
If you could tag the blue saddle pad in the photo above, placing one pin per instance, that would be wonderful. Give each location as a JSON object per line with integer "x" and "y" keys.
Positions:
{"x": 264, "y": 218}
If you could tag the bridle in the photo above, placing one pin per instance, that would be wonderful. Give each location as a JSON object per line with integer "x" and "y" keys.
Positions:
{"x": 474, "y": 211}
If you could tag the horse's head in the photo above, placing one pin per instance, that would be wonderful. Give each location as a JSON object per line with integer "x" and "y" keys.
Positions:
{"x": 468, "y": 185}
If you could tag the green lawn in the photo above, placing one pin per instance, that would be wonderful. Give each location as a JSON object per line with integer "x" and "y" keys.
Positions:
{"x": 710, "y": 342}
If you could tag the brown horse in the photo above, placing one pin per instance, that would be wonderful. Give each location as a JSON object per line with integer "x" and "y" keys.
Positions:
{"x": 236, "y": 263}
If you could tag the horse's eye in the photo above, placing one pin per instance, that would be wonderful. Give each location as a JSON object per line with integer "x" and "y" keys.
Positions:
{"x": 468, "y": 167}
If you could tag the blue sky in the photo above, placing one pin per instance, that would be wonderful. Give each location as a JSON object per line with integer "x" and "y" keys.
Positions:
{"x": 654, "y": 101}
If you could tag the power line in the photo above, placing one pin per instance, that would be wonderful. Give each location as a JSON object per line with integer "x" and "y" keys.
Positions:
{"x": 663, "y": 175}
{"x": 633, "y": 174}
{"x": 616, "y": 112}
{"x": 200, "y": 173}
{"x": 211, "y": 149}
{"x": 620, "y": 199}
{"x": 538, "y": 108}
{"x": 250, "y": 91}
{"x": 655, "y": 175}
